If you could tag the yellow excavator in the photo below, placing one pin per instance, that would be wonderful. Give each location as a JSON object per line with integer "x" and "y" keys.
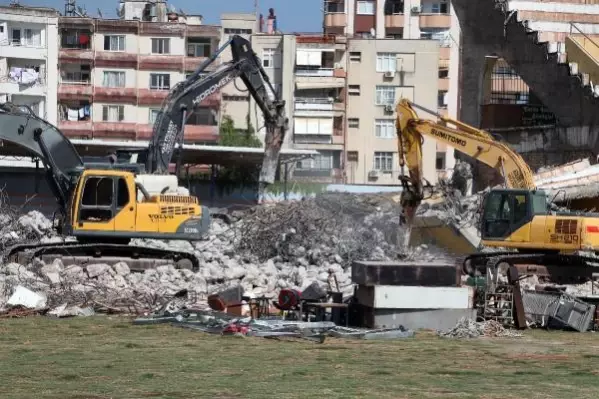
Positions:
{"x": 518, "y": 218}
{"x": 103, "y": 207}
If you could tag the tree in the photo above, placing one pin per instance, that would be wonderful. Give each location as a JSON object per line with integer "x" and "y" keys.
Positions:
{"x": 232, "y": 137}
{"x": 242, "y": 175}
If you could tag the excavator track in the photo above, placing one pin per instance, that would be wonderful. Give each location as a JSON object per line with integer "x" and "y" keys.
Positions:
{"x": 479, "y": 262}
{"x": 138, "y": 258}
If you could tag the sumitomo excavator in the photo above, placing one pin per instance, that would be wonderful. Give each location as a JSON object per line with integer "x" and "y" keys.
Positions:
{"x": 518, "y": 217}
{"x": 102, "y": 208}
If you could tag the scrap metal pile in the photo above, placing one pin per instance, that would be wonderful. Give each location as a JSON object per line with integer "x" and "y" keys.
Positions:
{"x": 468, "y": 328}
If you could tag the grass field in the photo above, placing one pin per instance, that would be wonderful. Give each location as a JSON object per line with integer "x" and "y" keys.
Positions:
{"x": 102, "y": 357}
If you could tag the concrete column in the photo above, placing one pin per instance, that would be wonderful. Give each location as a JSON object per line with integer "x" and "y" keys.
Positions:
{"x": 350, "y": 13}
{"x": 472, "y": 69}
{"x": 411, "y": 28}
{"x": 380, "y": 19}
{"x": 51, "y": 106}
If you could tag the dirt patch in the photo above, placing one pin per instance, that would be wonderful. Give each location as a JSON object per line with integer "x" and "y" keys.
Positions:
{"x": 538, "y": 356}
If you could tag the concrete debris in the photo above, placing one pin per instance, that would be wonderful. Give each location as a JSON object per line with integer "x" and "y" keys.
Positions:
{"x": 27, "y": 299}
{"x": 468, "y": 328}
{"x": 265, "y": 249}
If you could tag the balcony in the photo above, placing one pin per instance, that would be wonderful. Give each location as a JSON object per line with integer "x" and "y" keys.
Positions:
{"x": 394, "y": 21}
{"x": 21, "y": 83}
{"x": 115, "y": 130}
{"x": 444, "y": 84}
{"x": 193, "y": 133}
{"x": 315, "y": 78}
{"x": 323, "y": 175}
{"x": 314, "y": 106}
{"x": 18, "y": 49}
{"x": 335, "y": 20}
{"x": 116, "y": 59}
{"x": 75, "y": 55}
{"x": 76, "y": 129}
{"x": 161, "y": 62}
{"x": 115, "y": 94}
{"x": 72, "y": 90}
{"x": 192, "y": 64}
{"x": 156, "y": 97}
{"x": 435, "y": 21}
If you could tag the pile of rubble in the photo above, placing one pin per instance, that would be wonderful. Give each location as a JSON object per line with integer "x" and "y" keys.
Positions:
{"x": 265, "y": 249}
{"x": 468, "y": 328}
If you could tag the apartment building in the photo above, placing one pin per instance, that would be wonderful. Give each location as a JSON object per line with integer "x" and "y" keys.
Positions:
{"x": 114, "y": 75}
{"x": 28, "y": 46}
{"x": 375, "y": 84}
{"x": 386, "y": 23}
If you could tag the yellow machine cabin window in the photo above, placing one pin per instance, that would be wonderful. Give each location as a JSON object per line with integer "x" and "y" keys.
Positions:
{"x": 504, "y": 213}
{"x": 122, "y": 198}
{"x": 96, "y": 201}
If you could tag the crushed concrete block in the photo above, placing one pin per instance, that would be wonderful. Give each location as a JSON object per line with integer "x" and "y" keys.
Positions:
{"x": 97, "y": 269}
{"x": 25, "y": 297}
{"x": 122, "y": 269}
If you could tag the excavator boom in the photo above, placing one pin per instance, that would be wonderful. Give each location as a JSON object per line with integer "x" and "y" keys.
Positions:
{"x": 186, "y": 96}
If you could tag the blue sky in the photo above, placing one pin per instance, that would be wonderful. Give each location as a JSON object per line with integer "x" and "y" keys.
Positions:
{"x": 292, "y": 16}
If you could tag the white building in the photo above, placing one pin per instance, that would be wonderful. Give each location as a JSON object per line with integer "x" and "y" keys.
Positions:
{"x": 29, "y": 58}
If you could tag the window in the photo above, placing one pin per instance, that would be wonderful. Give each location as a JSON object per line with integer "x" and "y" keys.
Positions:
{"x": 236, "y": 31}
{"x": 160, "y": 81}
{"x": 32, "y": 37}
{"x": 440, "y": 7}
{"x": 114, "y": 43}
{"x": 394, "y": 7}
{"x": 384, "y": 128}
{"x": 440, "y": 161}
{"x": 394, "y": 35}
{"x": 353, "y": 90}
{"x": 383, "y": 161}
{"x": 386, "y": 62}
{"x": 16, "y": 36}
{"x": 161, "y": 46}
{"x": 122, "y": 193}
{"x": 355, "y": 56}
{"x": 198, "y": 47}
{"x": 153, "y": 115}
{"x": 366, "y": 8}
{"x": 442, "y": 99}
{"x": 503, "y": 213}
{"x": 385, "y": 95}
{"x": 96, "y": 201}
{"x": 353, "y": 122}
{"x": 270, "y": 58}
{"x": 114, "y": 79}
{"x": 113, "y": 113}
{"x": 443, "y": 73}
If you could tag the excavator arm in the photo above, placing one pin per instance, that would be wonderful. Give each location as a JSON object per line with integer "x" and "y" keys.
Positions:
{"x": 466, "y": 139}
{"x": 187, "y": 95}
{"x": 63, "y": 165}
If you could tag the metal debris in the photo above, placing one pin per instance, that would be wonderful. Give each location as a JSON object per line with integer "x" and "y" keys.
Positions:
{"x": 468, "y": 328}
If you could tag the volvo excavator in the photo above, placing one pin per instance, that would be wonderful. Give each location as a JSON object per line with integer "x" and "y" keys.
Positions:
{"x": 518, "y": 217}
{"x": 101, "y": 209}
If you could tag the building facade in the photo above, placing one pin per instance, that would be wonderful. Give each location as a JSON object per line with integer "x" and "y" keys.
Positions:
{"x": 394, "y": 25}
{"x": 28, "y": 50}
{"x": 115, "y": 74}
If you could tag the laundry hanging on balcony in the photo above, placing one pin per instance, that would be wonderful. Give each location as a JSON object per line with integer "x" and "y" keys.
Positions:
{"x": 24, "y": 76}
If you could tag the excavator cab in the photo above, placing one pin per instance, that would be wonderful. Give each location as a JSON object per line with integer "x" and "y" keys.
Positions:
{"x": 507, "y": 214}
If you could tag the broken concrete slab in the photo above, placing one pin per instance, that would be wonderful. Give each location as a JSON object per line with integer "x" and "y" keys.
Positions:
{"x": 405, "y": 273}
{"x": 25, "y": 297}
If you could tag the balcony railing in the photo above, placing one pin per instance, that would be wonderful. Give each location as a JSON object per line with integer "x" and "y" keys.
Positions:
{"x": 22, "y": 43}
{"x": 315, "y": 72}
{"x": 314, "y": 104}
{"x": 299, "y": 138}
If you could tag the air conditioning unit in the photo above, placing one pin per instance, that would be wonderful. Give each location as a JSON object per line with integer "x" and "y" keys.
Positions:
{"x": 416, "y": 10}
{"x": 337, "y": 65}
{"x": 373, "y": 174}
{"x": 388, "y": 108}
{"x": 389, "y": 74}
